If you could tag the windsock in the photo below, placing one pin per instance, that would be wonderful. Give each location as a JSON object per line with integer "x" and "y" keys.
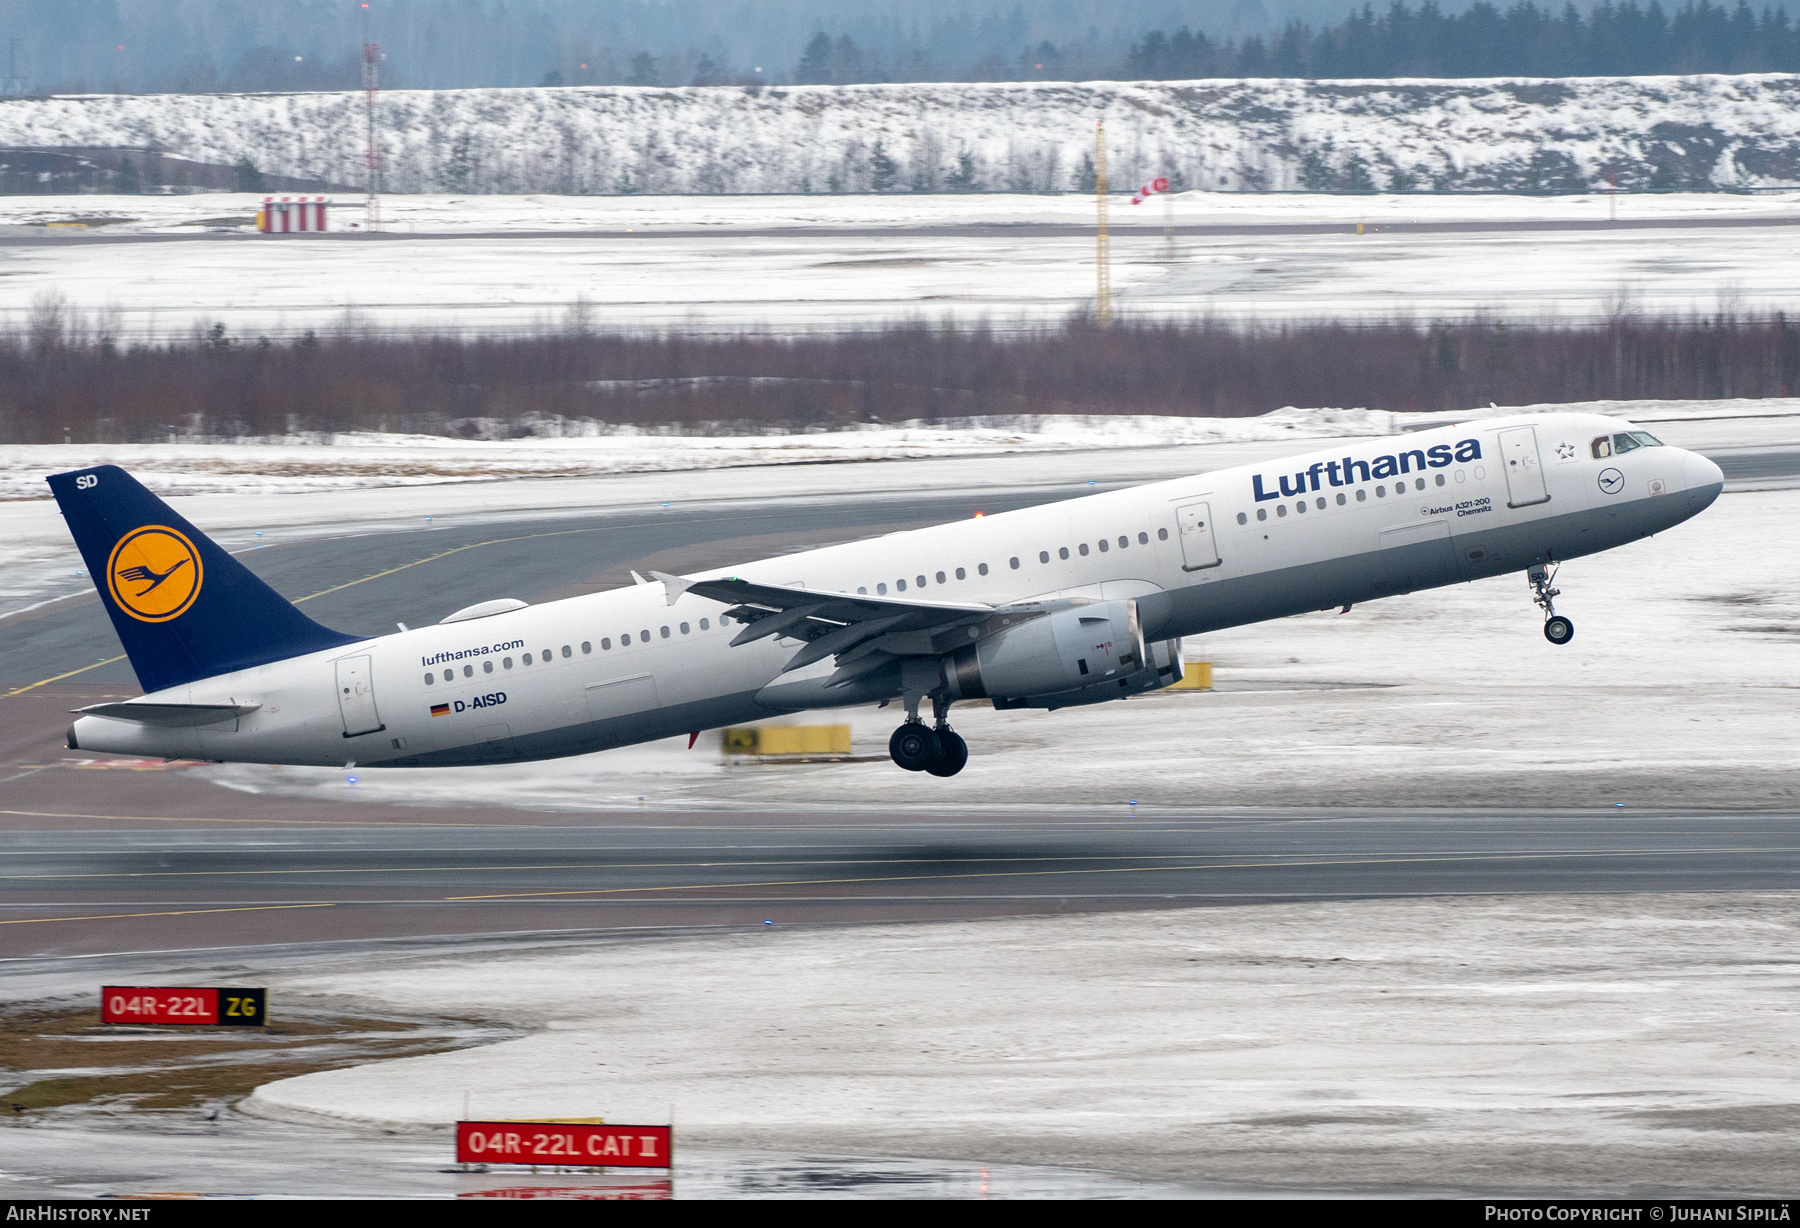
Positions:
{"x": 1150, "y": 189}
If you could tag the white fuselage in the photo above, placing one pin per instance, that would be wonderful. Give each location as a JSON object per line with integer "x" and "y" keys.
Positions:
{"x": 612, "y": 668}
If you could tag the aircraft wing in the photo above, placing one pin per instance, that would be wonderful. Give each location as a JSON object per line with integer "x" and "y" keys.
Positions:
{"x": 864, "y": 633}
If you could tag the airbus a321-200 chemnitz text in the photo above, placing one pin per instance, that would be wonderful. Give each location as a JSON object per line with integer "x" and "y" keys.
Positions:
{"x": 1074, "y": 602}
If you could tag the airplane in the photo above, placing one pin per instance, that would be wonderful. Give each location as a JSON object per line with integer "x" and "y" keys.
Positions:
{"x": 1070, "y": 603}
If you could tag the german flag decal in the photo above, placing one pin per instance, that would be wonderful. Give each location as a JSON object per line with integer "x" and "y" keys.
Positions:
{"x": 440, "y": 709}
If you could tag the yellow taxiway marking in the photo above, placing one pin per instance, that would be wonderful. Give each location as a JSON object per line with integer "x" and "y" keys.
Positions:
{"x": 430, "y": 558}
{"x": 1247, "y": 865}
{"x": 190, "y": 912}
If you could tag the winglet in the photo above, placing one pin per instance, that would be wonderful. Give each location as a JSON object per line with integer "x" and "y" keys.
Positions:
{"x": 674, "y": 585}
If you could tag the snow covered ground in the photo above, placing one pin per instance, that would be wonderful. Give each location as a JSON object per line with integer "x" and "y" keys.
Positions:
{"x": 1695, "y": 132}
{"x": 1549, "y": 1044}
{"x": 673, "y": 263}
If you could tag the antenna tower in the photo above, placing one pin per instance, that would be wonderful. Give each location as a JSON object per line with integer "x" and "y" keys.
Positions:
{"x": 1102, "y": 243}
{"x": 371, "y": 95}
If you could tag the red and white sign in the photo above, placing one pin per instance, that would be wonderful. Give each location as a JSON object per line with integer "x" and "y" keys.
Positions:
{"x": 1149, "y": 189}
{"x": 542, "y": 1142}
{"x": 189, "y": 1006}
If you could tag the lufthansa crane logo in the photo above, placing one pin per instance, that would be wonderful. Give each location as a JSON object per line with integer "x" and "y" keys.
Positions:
{"x": 154, "y": 574}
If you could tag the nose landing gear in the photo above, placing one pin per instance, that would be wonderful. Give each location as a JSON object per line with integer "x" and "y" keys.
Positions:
{"x": 1557, "y": 629}
{"x": 939, "y": 751}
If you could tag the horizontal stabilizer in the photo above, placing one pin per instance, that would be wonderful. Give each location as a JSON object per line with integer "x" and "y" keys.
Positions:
{"x": 170, "y": 716}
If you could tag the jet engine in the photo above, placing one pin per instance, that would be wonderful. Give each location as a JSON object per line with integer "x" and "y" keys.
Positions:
{"x": 1084, "y": 654}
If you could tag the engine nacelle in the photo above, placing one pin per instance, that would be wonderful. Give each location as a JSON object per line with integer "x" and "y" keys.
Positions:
{"x": 1070, "y": 650}
{"x": 1162, "y": 668}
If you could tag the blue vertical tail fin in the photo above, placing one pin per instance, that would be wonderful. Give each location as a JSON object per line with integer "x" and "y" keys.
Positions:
{"x": 184, "y": 609}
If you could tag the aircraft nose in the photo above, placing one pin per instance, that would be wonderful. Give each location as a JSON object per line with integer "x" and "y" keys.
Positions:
{"x": 1704, "y": 479}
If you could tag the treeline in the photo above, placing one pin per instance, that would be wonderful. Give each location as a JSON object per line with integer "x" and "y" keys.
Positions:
{"x": 1613, "y": 40}
{"x": 60, "y": 381}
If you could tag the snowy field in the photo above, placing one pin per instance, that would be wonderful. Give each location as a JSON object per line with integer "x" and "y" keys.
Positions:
{"x": 1548, "y": 1044}
{"x": 675, "y": 263}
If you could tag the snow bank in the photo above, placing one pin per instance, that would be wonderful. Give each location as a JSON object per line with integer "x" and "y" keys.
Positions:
{"x": 1696, "y": 132}
{"x": 1618, "y": 1044}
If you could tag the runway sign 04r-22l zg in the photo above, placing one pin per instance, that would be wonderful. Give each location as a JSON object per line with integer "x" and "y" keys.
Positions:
{"x": 184, "y": 1006}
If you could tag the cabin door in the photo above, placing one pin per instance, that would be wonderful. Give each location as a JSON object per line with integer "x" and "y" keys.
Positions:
{"x": 356, "y": 697}
{"x": 1198, "y": 548}
{"x": 1524, "y": 473}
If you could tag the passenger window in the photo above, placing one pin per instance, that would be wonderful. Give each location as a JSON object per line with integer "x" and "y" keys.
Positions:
{"x": 1124, "y": 542}
{"x": 1083, "y": 548}
{"x": 1362, "y": 496}
{"x": 487, "y": 667}
{"x": 940, "y": 577}
{"x": 900, "y": 586}
{"x": 921, "y": 581}
{"x": 1440, "y": 479}
{"x": 1381, "y": 492}
{"x": 507, "y": 662}
{"x": 881, "y": 590}
{"x": 644, "y": 635}
{"x": 527, "y": 659}
{"x": 1602, "y": 448}
{"x": 961, "y": 574}
{"x": 665, "y": 634}
{"x": 1281, "y": 509}
{"x": 1418, "y": 483}
{"x": 1340, "y": 499}
{"x": 1624, "y": 443}
{"x": 1243, "y": 519}
{"x": 1063, "y": 553}
{"x": 1103, "y": 546}
{"x": 587, "y": 646}
{"x": 1162, "y": 535}
{"x": 624, "y": 640}
{"x": 1043, "y": 556}
{"x": 1300, "y": 507}
{"x": 684, "y": 628}
{"x": 469, "y": 671}
{"x": 1143, "y": 539}
{"x": 705, "y": 625}
{"x": 1014, "y": 562}
{"x": 567, "y": 652}
{"x": 1262, "y": 513}
{"x": 863, "y": 591}
{"x": 428, "y": 678}
{"x": 605, "y": 644}
{"x": 982, "y": 569}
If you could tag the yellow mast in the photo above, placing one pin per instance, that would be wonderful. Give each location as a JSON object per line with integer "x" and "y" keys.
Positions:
{"x": 1102, "y": 244}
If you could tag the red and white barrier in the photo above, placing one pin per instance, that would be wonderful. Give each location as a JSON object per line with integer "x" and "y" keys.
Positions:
{"x": 291, "y": 215}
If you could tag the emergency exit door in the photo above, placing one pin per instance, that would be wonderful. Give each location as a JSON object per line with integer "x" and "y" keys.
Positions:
{"x": 1524, "y": 472}
{"x": 356, "y": 697}
{"x": 1198, "y": 548}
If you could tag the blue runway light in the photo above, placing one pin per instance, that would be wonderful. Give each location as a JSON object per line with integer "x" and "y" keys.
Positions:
{"x": 351, "y": 780}
{"x": 259, "y": 532}
{"x": 1620, "y": 805}
{"x": 768, "y": 923}
{"x": 427, "y": 520}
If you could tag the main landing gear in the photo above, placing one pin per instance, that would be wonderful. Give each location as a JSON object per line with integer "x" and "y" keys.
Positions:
{"x": 940, "y": 751}
{"x": 1557, "y": 629}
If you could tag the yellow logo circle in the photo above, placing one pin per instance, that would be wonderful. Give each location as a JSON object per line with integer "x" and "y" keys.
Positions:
{"x": 154, "y": 574}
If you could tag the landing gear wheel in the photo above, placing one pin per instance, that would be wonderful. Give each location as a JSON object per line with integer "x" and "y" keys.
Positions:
{"x": 914, "y": 746}
{"x": 954, "y": 754}
{"x": 1559, "y": 630}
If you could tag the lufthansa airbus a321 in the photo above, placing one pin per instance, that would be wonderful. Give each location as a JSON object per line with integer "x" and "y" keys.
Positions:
{"x": 1071, "y": 603}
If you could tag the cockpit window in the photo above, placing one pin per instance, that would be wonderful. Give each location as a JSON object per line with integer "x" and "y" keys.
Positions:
{"x": 1647, "y": 439}
{"x": 1623, "y": 442}
{"x": 1602, "y": 448}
